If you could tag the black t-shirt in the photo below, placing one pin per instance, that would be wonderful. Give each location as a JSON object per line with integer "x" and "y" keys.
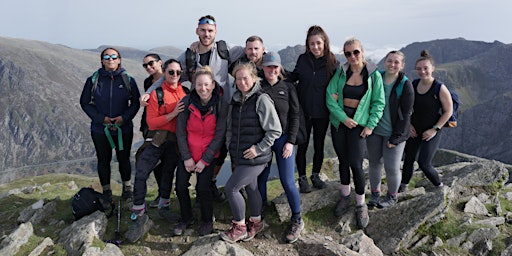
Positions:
{"x": 426, "y": 110}
{"x": 204, "y": 58}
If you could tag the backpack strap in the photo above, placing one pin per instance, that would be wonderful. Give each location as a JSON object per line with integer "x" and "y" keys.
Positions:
{"x": 95, "y": 77}
{"x": 190, "y": 62}
{"x": 127, "y": 81}
{"x": 437, "y": 87}
{"x": 94, "y": 80}
{"x": 160, "y": 96}
{"x": 222, "y": 50}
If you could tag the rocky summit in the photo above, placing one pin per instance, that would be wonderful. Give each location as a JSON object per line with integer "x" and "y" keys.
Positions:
{"x": 470, "y": 215}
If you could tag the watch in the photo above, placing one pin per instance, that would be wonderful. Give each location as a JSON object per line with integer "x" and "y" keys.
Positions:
{"x": 437, "y": 128}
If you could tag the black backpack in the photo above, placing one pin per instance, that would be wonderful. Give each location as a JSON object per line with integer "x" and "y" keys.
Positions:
{"x": 191, "y": 62}
{"x": 87, "y": 201}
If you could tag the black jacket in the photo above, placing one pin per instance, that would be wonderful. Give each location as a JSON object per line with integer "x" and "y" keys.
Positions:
{"x": 312, "y": 77}
{"x": 401, "y": 110}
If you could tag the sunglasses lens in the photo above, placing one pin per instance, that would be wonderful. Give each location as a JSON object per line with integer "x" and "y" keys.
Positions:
{"x": 114, "y": 56}
{"x": 150, "y": 63}
{"x": 357, "y": 52}
{"x": 106, "y": 57}
{"x": 172, "y": 72}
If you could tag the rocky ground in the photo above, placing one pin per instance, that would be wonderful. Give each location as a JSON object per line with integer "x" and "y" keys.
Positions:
{"x": 471, "y": 215}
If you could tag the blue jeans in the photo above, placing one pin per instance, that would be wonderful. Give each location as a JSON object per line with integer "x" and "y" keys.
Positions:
{"x": 168, "y": 154}
{"x": 379, "y": 155}
{"x": 286, "y": 168}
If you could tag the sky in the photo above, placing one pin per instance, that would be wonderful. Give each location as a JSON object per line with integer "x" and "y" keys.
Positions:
{"x": 381, "y": 25}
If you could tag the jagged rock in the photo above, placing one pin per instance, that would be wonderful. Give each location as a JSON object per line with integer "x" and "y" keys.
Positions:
{"x": 495, "y": 221}
{"x": 28, "y": 190}
{"x": 507, "y": 251}
{"x": 212, "y": 246}
{"x": 481, "y": 248}
{"x": 478, "y": 174}
{"x": 456, "y": 241}
{"x": 483, "y": 234}
{"x": 421, "y": 242}
{"x": 484, "y": 198}
{"x": 315, "y": 200}
{"x": 12, "y": 243}
{"x": 77, "y": 237}
{"x": 312, "y": 244}
{"x": 361, "y": 244}
{"x": 447, "y": 157}
{"x": 72, "y": 185}
{"x": 508, "y": 217}
{"x": 47, "y": 242}
{"x": 398, "y": 231}
{"x": 37, "y": 212}
{"x": 497, "y": 204}
{"x": 437, "y": 242}
{"x": 109, "y": 250}
{"x": 476, "y": 207}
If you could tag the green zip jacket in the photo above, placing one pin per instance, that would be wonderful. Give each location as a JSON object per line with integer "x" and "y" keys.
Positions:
{"x": 370, "y": 108}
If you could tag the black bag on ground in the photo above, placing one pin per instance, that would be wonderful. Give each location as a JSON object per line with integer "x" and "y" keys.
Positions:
{"x": 87, "y": 201}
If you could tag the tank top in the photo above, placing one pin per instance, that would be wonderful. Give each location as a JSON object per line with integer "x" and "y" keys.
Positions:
{"x": 353, "y": 92}
{"x": 426, "y": 110}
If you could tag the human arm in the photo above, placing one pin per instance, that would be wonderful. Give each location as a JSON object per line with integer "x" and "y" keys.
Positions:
{"x": 293, "y": 114}
{"x": 181, "y": 132}
{"x": 220, "y": 133}
{"x": 269, "y": 121}
{"x": 401, "y": 128}
{"x": 334, "y": 95}
{"x": 90, "y": 109}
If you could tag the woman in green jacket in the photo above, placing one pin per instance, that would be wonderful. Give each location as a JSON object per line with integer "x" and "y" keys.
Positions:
{"x": 355, "y": 99}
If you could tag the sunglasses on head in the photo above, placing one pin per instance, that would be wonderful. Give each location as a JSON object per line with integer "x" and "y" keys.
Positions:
{"x": 150, "y": 63}
{"x": 108, "y": 57}
{"x": 206, "y": 21}
{"x": 172, "y": 72}
{"x": 355, "y": 52}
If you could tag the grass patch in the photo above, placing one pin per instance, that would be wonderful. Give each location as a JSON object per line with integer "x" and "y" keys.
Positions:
{"x": 447, "y": 228}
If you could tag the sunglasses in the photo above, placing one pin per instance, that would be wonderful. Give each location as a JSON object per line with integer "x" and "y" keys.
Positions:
{"x": 206, "y": 21}
{"x": 355, "y": 52}
{"x": 150, "y": 63}
{"x": 108, "y": 57}
{"x": 172, "y": 72}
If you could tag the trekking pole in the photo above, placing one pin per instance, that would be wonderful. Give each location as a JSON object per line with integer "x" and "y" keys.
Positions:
{"x": 117, "y": 236}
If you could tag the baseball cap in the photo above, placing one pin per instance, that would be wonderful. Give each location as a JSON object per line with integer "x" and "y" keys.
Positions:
{"x": 271, "y": 59}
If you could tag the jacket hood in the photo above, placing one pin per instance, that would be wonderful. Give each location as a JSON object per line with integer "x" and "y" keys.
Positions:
{"x": 104, "y": 72}
{"x": 370, "y": 66}
{"x": 237, "y": 96}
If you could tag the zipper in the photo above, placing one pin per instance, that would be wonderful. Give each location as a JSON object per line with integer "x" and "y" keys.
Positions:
{"x": 111, "y": 86}
{"x": 238, "y": 137}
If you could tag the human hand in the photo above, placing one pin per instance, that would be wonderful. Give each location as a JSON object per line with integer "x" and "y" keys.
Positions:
{"x": 429, "y": 134}
{"x": 144, "y": 99}
{"x": 287, "y": 150}
{"x": 194, "y": 46}
{"x": 366, "y": 132}
{"x": 391, "y": 145}
{"x": 200, "y": 167}
{"x": 190, "y": 165}
{"x": 179, "y": 108}
{"x": 250, "y": 153}
{"x": 350, "y": 123}
{"x": 335, "y": 96}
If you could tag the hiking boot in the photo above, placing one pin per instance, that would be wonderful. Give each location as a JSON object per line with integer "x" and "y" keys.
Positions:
{"x": 234, "y": 233}
{"x": 106, "y": 201}
{"x": 388, "y": 201}
{"x": 362, "y": 217}
{"x": 403, "y": 188}
{"x": 304, "y": 186}
{"x": 165, "y": 213}
{"x": 342, "y": 206}
{"x": 253, "y": 228}
{"x": 154, "y": 203}
{"x": 127, "y": 193}
{"x": 139, "y": 227}
{"x": 294, "y": 232}
{"x": 206, "y": 228}
{"x": 182, "y": 226}
{"x": 317, "y": 182}
{"x": 374, "y": 199}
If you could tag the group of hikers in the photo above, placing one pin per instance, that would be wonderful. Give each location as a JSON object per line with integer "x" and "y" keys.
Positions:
{"x": 241, "y": 101}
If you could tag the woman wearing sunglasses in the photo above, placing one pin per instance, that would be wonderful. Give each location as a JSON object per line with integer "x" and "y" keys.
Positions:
{"x": 161, "y": 118}
{"x": 355, "y": 99}
{"x": 153, "y": 65}
{"x": 200, "y": 129}
{"x": 109, "y": 98}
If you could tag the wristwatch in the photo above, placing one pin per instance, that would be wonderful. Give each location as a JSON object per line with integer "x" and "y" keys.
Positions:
{"x": 437, "y": 128}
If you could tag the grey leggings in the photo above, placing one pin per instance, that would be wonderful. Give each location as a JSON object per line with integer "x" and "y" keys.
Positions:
{"x": 379, "y": 155}
{"x": 244, "y": 176}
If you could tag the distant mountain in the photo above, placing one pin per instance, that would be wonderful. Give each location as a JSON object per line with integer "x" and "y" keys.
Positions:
{"x": 165, "y": 52}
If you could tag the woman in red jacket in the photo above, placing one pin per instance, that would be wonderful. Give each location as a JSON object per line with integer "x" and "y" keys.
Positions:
{"x": 200, "y": 129}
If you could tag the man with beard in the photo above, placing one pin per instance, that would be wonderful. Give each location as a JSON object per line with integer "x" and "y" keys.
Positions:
{"x": 254, "y": 51}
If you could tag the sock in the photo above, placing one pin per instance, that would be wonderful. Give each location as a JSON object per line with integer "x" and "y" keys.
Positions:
{"x": 359, "y": 199}
{"x": 345, "y": 190}
{"x": 376, "y": 191}
{"x": 255, "y": 219}
{"x": 295, "y": 217}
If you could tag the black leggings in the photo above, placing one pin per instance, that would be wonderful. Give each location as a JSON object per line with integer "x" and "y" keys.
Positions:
{"x": 427, "y": 151}
{"x": 350, "y": 148}
{"x": 104, "y": 156}
{"x": 319, "y": 126}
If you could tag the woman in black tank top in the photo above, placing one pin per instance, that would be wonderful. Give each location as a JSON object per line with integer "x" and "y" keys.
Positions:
{"x": 426, "y": 122}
